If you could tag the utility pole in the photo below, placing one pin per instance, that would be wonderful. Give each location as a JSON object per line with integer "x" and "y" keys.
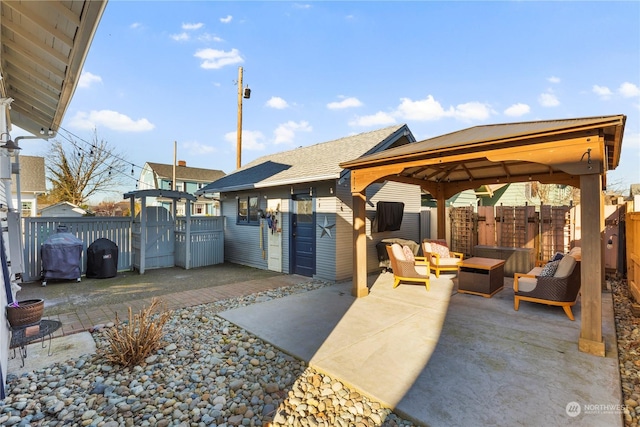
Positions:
{"x": 246, "y": 93}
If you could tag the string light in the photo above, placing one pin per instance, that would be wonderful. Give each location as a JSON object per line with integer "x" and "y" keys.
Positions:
{"x": 93, "y": 149}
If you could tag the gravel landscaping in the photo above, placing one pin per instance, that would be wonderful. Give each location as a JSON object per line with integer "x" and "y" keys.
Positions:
{"x": 211, "y": 372}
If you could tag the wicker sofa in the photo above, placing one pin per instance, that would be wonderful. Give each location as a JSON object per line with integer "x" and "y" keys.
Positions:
{"x": 560, "y": 288}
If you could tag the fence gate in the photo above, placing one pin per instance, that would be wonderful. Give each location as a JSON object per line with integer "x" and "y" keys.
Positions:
{"x": 462, "y": 229}
{"x": 153, "y": 239}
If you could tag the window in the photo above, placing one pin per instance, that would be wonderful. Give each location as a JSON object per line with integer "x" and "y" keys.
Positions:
{"x": 26, "y": 209}
{"x": 248, "y": 210}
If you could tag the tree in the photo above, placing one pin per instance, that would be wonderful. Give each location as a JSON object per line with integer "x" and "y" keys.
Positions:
{"x": 78, "y": 171}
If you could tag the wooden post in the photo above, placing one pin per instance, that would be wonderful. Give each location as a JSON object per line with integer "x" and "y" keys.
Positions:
{"x": 441, "y": 211}
{"x": 239, "y": 130}
{"x": 360, "y": 288}
{"x": 592, "y": 216}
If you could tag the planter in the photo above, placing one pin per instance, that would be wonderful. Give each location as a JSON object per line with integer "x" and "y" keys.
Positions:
{"x": 28, "y": 312}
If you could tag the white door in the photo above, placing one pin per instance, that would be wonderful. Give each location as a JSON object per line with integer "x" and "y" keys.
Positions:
{"x": 274, "y": 235}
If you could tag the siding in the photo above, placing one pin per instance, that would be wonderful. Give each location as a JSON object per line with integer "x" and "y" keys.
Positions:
{"x": 388, "y": 192}
{"x": 325, "y": 205}
{"x": 334, "y": 254}
{"x": 242, "y": 242}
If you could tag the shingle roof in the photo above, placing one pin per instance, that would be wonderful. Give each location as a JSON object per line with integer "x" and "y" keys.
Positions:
{"x": 306, "y": 164}
{"x": 186, "y": 173}
{"x": 32, "y": 176}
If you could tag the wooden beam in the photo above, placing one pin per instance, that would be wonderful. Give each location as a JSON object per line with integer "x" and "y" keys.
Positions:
{"x": 592, "y": 217}
{"x": 360, "y": 288}
{"x": 441, "y": 207}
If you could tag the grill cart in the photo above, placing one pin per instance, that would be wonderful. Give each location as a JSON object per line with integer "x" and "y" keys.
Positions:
{"x": 61, "y": 256}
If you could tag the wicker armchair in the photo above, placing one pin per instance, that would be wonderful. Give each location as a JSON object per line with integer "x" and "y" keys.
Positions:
{"x": 405, "y": 270}
{"x": 440, "y": 257}
{"x": 561, "y": 289}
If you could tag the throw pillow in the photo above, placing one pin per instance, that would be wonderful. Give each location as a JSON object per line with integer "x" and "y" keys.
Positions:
{"x": 408, "y": 253}
{"x": 440, "y": 249}
{"x": 549, "y": 269}
{"x": 557, "y": 257}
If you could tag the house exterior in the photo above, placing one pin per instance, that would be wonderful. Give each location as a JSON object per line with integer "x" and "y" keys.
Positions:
{"x": 65, "y": 209}
{"x": 32, "y": 182}
{"x": 158, "y": 176}
{"x": 292, "y": 211}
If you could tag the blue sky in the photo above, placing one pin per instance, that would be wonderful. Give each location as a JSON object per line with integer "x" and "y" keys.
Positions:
{"x": 165, "y": 71}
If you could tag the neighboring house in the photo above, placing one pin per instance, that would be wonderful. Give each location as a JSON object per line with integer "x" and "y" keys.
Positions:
{"x": 32, "y": 182}
{"x": 63, "y": 209}
{"x": 158, "y": 176}
{"x": 292, "y": 211}
{"x": 521, "y": 193}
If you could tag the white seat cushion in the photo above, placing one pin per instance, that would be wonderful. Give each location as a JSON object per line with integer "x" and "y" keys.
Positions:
{"x": 421, "y": 269}
{"x": 527, "y": 284}
{"x": 446, "y": 262}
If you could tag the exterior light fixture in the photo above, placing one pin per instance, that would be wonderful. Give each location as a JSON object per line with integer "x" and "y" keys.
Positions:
{"x": 610, "y": 241}
{"x": 247, "y": 92}
{"x": 9, "y": 145}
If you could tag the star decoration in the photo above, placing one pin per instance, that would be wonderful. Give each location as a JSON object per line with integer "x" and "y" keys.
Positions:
{"x": 326, "y": 228}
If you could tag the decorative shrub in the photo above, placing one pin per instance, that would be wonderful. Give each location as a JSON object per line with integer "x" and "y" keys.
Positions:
{"x": 133, "y": 341}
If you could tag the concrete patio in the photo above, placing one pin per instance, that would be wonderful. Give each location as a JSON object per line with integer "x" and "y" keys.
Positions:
{"x": 443, "y": 358}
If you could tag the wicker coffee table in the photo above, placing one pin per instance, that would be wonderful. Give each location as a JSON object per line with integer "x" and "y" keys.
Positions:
{"x": 481, "y": 276}
{"x": 20, "y": 338}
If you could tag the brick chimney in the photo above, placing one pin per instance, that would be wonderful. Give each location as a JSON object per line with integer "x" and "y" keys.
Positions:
{"x": 182, "y": 163}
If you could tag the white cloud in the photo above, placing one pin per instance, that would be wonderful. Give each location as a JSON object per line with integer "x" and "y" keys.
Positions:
{"x": 553, "y": 79}
{"x": 345, "y": 103}
{"x": 277, "y": 103}
{"x": 548, "y": 99}
{"x": 198, "y": 148}
{"x": 429, "y": 109}
{"x": 286, "y": 132}
{"x": 629, "y": 90}
{"x": 135, "y": 25}
{"x": 602, "y": 91}
{"x": 226, "y": 19}
{"x": 301, "y": 6}
{"x": 87, "y": 79}
{"x": 378, "y": 119}
{"x": 472, "y": 111}
{"x": 206, "y": 37}
{"x": 422, "y": 110}
{"x": 517, "y": 110}
{"x": 111, "y": 120}
{"x": 180, "y": 37}
{"x": 215, "y": 59}
{"x": 191, "y": 27}
{"x": 251, "y": 140}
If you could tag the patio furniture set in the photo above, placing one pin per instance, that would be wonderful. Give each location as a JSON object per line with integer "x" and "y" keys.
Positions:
{"x": 555, "y": 283}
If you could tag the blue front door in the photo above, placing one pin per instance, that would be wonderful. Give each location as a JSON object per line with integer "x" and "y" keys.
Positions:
{"x": 303, "y": 235}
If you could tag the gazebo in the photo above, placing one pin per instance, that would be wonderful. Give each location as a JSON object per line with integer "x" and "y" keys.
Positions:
{"x": 576, "y": 152}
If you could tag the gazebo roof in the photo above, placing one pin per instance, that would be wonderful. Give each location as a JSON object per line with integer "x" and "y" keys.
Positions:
{"x": 548, "y": 151}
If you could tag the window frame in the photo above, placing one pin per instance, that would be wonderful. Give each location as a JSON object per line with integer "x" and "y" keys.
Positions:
{"x": 252, "y": 216}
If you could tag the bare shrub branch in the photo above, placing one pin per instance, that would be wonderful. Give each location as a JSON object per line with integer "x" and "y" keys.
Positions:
{"x": 133, "y": 341}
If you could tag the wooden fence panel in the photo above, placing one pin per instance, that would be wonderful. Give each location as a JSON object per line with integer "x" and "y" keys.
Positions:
{"x": 463, "y": 235}
{"x": 555, "y": 230}
{"x": 486, "y": 226}
{"x": 632, "y": 224}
